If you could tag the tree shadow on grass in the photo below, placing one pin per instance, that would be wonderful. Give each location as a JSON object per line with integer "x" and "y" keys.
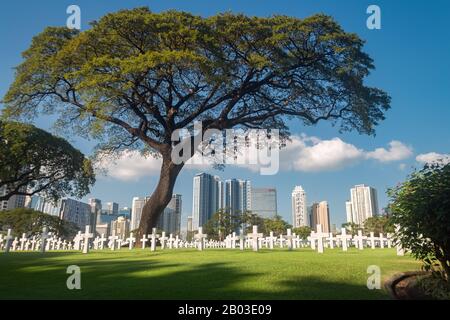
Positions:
{"x": 112, "y": 277}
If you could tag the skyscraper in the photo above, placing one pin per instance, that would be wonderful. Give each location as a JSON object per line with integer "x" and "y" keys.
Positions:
{"x": 237, "y": 196}
{"x": 96, "y": 210}
{"x": 299, "y": 211}
{"x": 206, "y": 198}
{"x": 170, "y": 220}
{"x": 136, "y": 211}
{"x": 320, "y": 214}
{"x": 264, "y": 202}
{"x": 112, "y": 208}
{"x": 363, "y": 204}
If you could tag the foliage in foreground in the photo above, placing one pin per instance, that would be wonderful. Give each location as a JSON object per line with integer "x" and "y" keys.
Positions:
{"x": 421, "y": 208}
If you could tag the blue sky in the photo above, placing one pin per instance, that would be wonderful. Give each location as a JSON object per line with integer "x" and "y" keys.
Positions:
{"x": 411, "y": 54}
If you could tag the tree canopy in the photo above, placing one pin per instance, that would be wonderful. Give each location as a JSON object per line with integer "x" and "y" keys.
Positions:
{"x": 34, "y": 161}
{"x": 135, "y": 77}
{"x": 420, "y": 208}
{"x": 30, "y": 222}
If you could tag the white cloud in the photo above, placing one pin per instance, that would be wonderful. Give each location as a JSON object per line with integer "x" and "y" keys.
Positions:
{"x": 397, "y": 151}
{"x": 302, "y": 153}
{"x": 313, "y": 154}
{"x": 130, "y": 166}
{"x": 433, "y": 157}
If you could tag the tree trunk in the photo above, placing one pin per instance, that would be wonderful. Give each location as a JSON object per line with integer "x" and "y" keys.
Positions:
{"x": 160, "y": 198}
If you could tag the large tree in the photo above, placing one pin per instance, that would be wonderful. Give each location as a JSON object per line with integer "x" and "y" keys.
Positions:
{"x": 135, "y": 77}
{"x": 23, "y": 220}
{"x": 34, "y": 161}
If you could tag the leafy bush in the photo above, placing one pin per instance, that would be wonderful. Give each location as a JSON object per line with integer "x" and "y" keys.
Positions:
{"x": 421, "y": 210}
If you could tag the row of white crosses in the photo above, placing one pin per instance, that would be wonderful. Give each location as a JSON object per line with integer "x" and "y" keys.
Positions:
{"x": 82, "y": 241}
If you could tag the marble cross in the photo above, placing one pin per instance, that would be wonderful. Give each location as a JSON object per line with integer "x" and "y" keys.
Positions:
{"x": 8, "y": 239}
{"x": 112, "y": 240}
{"x": 153, "y": 236}
{"x": 255, "y": 236}
{"x": 22, "y": 241}
{"x": 131, "y": 240}
{"x": 271, "y": 240}
{"x": 163, "y": 239}
{"x": 289, "y": 238}
{"x": 44, "y": 237}
{"x": 360, "y": 240}
{"x": 344, "y": 238}
{"x": 320, "y": 236}
{"x": 144, "y": 241}
{"x": 200, "y": 236}
{"x": 86, "y": 237}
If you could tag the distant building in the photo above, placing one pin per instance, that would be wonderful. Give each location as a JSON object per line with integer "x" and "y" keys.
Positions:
{"x": 206, "y": 198}
{"x": 66, "y": 209}
{"x": 121, "y": 227}
{"x": 112, "y": 208}
{"x": 15, "y": 201}
{"x": 136, "y": 211}
{"x": 362, "y": 205}
{"x": 125, "y": 212}
{"x": 170, "y": 220}
{"x": 96, "y": 211}
{"x": 300, "y": 216}
{"x": 237, "y": 196}
{"x": 320, "y": 214}
{"x": 264, "y": 202}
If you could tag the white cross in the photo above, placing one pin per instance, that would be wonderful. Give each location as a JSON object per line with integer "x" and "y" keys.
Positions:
{"x": 102, "y": 241}
{"x": 112, "y": 240}
{"x": 8, "y": 239}
{"x": 312, "y": 240}
{"x": 14, "y": 244}
{"x": 131, "y": 240}
{"x": 33, "y": 243}
{"x": 389, "y": 240}
{"x": 372, "y": 240}
{"x": 343, "y": 237}
{"x": 271, "y": 240}
{"x": 294, "y": 240}
{"x": 359, "y": 240}
{"x": 58, "y": 244}
{"x": 331, "y": 240}
{"x": 119, "y": 243}
{"x": 163, "y": 239}
{"x": 86, "y": 236}
{"x": 77, "y": 240}
{"x": 281, "y": 241}
{"x": 200, "y": 236}
{"x": 44, "y": 236}
{"x": 154, "y": 236}
{"x": 254, "y": 236}
{"x": 22, "y": 241}
{"x": 289, "y": 238}
{"x": 382, "y": 240}
{"x": 320, "y": 236}
{"x": 144, "y": 240}
{"x": 27, "y": 245}
{"x": 177, "y": 242}
{"x": 241, "y": 240}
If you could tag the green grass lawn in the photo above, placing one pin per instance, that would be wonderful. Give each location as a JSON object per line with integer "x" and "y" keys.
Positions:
{"x": 189, "y": 274}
